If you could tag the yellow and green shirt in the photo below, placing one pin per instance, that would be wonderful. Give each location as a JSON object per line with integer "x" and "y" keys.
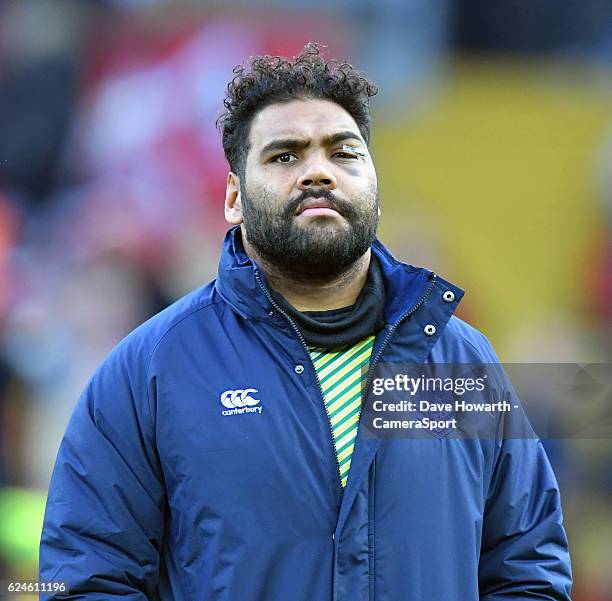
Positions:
{"x": 342, "y": 374}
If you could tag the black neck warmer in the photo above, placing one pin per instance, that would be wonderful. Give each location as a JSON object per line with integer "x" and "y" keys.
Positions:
{"x": 345, "y": 326}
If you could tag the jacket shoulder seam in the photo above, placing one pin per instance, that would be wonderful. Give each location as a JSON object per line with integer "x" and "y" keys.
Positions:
{"x": 161, "y": 339}
{"x": 174, "y": 325}
{"x": 467, "y": 340}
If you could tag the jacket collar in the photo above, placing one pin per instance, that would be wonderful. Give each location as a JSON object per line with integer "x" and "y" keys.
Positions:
{"x": 237, "y": 281}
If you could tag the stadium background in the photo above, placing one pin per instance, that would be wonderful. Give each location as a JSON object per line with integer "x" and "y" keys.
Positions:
{"x": 492, "y": 137}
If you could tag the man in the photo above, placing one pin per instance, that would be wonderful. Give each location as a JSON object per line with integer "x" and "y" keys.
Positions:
{"x": 217, "y": 454}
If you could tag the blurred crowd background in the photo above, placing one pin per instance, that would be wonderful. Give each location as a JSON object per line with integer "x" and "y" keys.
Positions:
{"x": 492, "y": 138}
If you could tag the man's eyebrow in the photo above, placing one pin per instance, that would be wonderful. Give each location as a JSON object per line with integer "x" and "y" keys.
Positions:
{"x": 300, "y": 143}
{"x": 285, "y": 144}
{"x": 340, "y": 136}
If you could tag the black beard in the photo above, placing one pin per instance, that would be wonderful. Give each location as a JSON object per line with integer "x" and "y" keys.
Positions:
{"x": 320, "y": 250}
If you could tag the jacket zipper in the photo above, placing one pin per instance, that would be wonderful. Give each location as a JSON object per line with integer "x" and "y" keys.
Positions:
{"x": 390, "y": 333}
{"x": 301, "y": 338}
{"x": 394, "y": 327}
{"x": 373, "y": 363}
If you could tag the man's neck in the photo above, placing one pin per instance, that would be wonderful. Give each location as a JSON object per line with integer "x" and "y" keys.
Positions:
{"x": 315, "y": 294}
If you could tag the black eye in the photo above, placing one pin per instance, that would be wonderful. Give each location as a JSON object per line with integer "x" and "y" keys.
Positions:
{"x": 346, "y": 155}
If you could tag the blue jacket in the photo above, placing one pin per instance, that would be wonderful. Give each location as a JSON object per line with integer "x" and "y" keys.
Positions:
{"x": 159, "y": 493}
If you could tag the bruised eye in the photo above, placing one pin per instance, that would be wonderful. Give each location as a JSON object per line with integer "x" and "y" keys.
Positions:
{"x": 286, "y": 157}
{"x": 349, "y": 152}
{"x": 346, "y": 155}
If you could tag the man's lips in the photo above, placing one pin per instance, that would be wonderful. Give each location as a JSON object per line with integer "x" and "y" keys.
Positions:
{"x": 317, "y": 206}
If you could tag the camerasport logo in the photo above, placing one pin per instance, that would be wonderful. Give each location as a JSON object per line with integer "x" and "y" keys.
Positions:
{"x": 240, "y": 401}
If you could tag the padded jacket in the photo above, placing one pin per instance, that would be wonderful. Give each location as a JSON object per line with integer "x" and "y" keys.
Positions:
{"x": 163, "y": 489}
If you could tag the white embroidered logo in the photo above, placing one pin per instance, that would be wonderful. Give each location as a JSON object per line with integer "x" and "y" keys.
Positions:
{"x": 239, "y": 401}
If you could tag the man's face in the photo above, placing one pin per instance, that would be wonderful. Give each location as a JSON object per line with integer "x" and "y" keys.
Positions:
{"x": 309, "y": 204}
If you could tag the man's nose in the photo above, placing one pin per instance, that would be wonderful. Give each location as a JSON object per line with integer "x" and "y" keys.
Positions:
{"x": 317, "y": 174}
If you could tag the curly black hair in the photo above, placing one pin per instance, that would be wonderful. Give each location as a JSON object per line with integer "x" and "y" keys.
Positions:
{"x": 265, "y": 80}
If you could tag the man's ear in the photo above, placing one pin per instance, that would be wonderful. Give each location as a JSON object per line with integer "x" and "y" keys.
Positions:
{"x": 233, "y": 200}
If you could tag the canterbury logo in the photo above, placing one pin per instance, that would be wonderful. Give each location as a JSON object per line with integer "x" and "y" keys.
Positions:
{"x": 240, "y": 401}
